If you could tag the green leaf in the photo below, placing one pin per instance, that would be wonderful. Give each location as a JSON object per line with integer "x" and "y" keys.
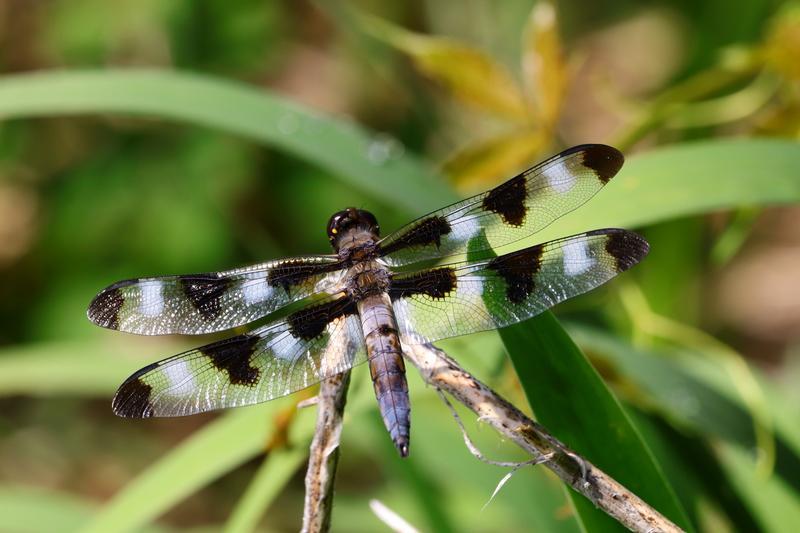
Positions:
{"x": 655, "y": 186}
{"x": 375, "y": 165}
{"x": 695, "y": 472}
{"x": 571, "y": 400}
{"x": 774, "y": 504}
{"x": 696, "y": 395}
{"x": 210, "y": 452}
{"x": 86, "y": 368}
{"x": 690, "y": 179}
{"x": 33, "y": 509}
{"x": 273, "y": 474}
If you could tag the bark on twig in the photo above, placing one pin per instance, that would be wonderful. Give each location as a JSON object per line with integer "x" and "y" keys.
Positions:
{"x": 442, "y": 372}
{"x": 324, "y": 454}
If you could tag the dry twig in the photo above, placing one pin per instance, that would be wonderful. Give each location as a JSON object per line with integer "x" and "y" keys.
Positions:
{"x": 444, "y": 373}
{"x": 324, "y": 454}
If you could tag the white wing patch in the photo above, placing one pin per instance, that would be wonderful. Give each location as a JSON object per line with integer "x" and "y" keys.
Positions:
{"x": 561, "y": 180}
{"x": 343, "y": 334}
{"x": 256, "y": 291}
{"x": 180, "y": 377}
{"x": 285, "y": 348}
{"x": 152, "y": 298}
{"x": 576, "y": 257}
{"x": 468, "y": 227}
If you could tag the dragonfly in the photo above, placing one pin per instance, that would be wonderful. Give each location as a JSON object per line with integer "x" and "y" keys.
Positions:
{"x": 371, "y": 297}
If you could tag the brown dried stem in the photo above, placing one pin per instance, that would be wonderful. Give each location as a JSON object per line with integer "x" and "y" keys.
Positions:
{"x": 324, "y": 455}
{"x": 445, "y": 374}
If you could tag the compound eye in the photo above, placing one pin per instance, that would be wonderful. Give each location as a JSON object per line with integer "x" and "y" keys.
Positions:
{"x": 334, "y": 224}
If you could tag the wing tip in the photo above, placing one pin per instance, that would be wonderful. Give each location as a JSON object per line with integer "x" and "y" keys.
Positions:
{"x": 133, "y": 398}
{"x": 104, "y": 308}
{"x": 626, "y": 247}
{"x": 604, "y": 160}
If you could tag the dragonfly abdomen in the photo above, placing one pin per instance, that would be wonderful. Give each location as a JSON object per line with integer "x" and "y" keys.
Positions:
{"x": 386, "y": 367}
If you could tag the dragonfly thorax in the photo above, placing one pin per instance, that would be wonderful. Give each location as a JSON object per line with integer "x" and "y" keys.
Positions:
{"x": 366, "y": 278}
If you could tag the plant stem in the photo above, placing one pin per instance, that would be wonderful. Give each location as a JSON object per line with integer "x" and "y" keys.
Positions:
{"x": 324, "y": 454}
{"x": 444, "y": 373}
{"x": 674, "y": 100}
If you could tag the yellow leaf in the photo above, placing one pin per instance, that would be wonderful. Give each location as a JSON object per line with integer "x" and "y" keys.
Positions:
{"x": 543, "y": 67}
{"x": 782, "y": 46}
{"x": 484, "y": 164}
{"x": 467, "y": 73}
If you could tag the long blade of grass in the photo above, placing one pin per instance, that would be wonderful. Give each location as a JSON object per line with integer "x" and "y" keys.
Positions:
{"x": 695, "y": 395}
{"x": 376, "y": 165}
{"x": 33, "y": 509}
{"x": 214, "y": 450}
{"x": 271, "y": 477}
{"x": 84, "y": 368}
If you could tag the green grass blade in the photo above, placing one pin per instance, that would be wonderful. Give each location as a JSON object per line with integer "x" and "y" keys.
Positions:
{"x": 84, "y": 368}
{"x": 659, "y": 185}
{"x": 702, "y": 177}
{"x": 571, "y": 400}
{"x": 33, "y": 509}
{"x": 374, "y": 165}
{"x": 776, "y": 505}
{"x": 697, "y": 395}
{"x": 207, "y": 454}
{"x": 695, "y": 472}
{"x": 273, "y": 474}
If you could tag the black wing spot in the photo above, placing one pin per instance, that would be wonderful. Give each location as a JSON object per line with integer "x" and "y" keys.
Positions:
{"x": 205, "y": 293}
{"x": 518, "y": 270}
{"x": 233, "y": 357}
{"x": 104, "y": 309}
{"x": 293, "y": 273}
{"x": 133, "y": 397}
{"x": 309, "y": 323}
{"x": 627, "y": 248}
{"x": 604, "y": 160}
{"x": 436, "y": 283}
{"x": 425, "y": 232}
{"x": 508, "y": 201}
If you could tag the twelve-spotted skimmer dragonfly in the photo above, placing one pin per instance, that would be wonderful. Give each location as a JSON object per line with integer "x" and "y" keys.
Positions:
{"x": 361, "y": 306}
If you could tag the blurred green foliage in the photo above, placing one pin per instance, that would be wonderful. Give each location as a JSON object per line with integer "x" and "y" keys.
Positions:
{"x": 180, "y": 136}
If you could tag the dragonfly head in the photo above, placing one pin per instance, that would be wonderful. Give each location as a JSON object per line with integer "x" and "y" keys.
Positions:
{"x": 349, "y": 222}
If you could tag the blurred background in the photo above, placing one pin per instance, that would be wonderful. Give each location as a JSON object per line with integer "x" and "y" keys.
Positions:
{"x": 106, "y": 177}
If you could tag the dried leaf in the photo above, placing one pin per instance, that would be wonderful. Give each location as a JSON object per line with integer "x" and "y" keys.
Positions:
{"x": 543, "y": 67}
{"x": 782, "y": 45}
{"x": 482, "y": 164}
{"x": 467, "y": 73}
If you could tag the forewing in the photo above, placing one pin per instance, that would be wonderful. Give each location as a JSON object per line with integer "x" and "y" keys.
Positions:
{"x": 312, "y": 344}
{"x": 463, "y": 298}
{"x": 203, "y": 303}
{"x": 511, "y": 211}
